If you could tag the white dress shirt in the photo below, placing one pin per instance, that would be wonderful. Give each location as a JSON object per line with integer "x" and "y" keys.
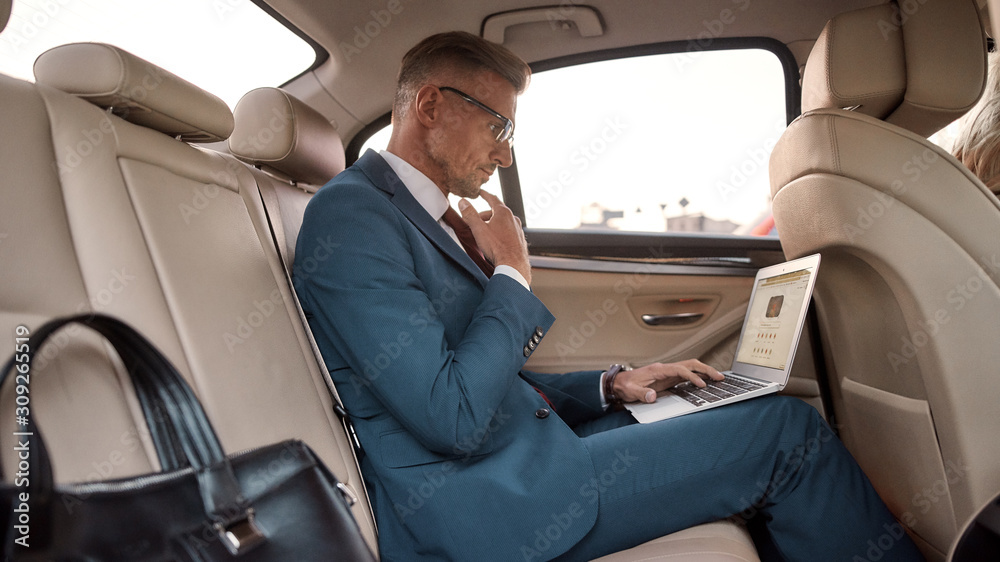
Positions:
{"x": 434, "y": 201}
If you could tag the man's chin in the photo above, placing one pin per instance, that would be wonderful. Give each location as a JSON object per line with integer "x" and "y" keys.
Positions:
{"x": 469, "y": 189}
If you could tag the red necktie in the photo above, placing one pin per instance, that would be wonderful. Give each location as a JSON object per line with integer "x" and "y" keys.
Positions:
{"x": 455, "y": 221}
{"x": 461, "y": 228}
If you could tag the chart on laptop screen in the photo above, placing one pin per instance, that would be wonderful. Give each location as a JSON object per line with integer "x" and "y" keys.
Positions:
{"x": 772, "y": 320}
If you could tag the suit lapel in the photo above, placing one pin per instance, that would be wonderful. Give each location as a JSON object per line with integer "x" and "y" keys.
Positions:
{"x": 384, "y": 178}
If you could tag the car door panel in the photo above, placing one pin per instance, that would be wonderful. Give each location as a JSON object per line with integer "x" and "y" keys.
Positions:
{"x": 620, "y": 309}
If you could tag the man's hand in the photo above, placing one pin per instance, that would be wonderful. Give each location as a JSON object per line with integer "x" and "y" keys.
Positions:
{"x": 498, "y": 233}
{"x": 642, "y": 384}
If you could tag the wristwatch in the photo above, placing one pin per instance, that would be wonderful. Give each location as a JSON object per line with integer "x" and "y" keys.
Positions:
{"x": 613, "y": 400}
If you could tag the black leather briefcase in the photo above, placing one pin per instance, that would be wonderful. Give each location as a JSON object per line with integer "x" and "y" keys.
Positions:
{"x": 277, "y": 502}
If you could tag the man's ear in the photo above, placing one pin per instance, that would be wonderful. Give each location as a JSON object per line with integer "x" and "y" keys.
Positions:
{"x": 427, "y": 106}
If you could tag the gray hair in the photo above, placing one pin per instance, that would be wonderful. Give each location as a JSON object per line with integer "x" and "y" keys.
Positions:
{"x": 455, "y": 51}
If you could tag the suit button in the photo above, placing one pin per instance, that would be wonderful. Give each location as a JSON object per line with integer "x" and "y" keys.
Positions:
{"x": 538, "y": 331}
{"x": 532, "y": 345}
{"x": 527, "y": 351}
{"x": 542, "y": 413}
{"x": 536, "y": 338}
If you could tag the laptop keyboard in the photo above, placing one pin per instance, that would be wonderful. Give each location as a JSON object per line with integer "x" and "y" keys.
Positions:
{"x": 715, "y": 390}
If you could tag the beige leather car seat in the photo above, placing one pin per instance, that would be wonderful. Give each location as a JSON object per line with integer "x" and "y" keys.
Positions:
{"x": 123, "y": 216}
{"x": 908, "y": 296}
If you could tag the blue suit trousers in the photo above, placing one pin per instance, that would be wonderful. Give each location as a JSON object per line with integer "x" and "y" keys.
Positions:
{"x": 772, "y": 462}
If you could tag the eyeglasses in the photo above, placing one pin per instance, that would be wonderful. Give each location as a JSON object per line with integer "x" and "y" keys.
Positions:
{"x": 504, "y": 134}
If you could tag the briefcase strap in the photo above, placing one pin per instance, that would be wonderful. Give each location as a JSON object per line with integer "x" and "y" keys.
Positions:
{"x": 160, "y": 389}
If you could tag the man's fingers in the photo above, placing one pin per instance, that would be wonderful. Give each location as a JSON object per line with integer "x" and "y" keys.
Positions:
{"x": 633, "y": 391}
{"x": 683, "y": 372}
{"x": 469, "y": 213}
{"x": 692, "y": 376}
{"x": 493, "y": 200}
{"x": 703, "y": 370}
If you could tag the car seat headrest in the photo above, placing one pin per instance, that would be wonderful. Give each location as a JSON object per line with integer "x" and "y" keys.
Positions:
{"x": 920, "y": 66}
{"x": 279, "y": 132}
{"x": 136, "y": 90}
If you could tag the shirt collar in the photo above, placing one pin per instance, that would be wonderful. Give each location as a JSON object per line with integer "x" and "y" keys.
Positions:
{"x": 425, "y": 191}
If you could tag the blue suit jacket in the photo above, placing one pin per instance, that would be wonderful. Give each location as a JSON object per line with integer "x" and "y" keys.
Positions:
{"x": 426, "y": 353}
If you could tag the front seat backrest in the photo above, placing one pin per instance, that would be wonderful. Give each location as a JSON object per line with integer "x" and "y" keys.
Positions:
{"x": 908, "y": 299}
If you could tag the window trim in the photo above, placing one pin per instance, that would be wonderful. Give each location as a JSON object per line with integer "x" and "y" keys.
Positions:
{"x": 321, "y": 54}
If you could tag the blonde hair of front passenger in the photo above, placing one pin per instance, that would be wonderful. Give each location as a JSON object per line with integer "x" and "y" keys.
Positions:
{"x": 978, "y": 143}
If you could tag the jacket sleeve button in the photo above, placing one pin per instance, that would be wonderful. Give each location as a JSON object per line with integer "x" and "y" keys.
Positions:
{"x": 542, "y": 413}
{"x": 527, "y": 351}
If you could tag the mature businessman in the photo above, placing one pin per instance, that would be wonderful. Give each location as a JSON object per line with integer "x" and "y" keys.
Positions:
{"x": 469, "y": 457}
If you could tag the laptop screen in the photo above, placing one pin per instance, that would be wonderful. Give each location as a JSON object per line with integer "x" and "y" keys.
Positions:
{"x": 773, "y": 319}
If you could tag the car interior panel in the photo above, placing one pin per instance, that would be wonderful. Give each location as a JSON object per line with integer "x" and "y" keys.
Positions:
{"x": 900, "y": 369}
{"x": 130, "y": 191}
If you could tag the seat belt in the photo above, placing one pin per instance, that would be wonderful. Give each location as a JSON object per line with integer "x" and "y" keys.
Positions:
{"x": 279, "y": 241}
{"x": 338, "y": 407}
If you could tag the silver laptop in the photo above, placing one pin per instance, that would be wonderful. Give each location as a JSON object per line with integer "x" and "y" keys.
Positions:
{"x": 771, "y": 331}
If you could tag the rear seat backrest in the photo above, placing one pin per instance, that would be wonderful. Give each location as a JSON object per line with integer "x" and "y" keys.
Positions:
{"x": 298, "y": 148}
{"x": 105, "y": 215}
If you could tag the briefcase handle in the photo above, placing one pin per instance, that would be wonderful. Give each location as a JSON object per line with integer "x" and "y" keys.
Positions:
{"x": 183, "y": 436}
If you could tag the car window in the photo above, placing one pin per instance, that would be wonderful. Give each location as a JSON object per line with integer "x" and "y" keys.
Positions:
{"x": 227, "y": 47}
{"x": 658, "y": 143}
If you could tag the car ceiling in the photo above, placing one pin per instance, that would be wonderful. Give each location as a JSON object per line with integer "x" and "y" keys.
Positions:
{"x": 354, "y": 86}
